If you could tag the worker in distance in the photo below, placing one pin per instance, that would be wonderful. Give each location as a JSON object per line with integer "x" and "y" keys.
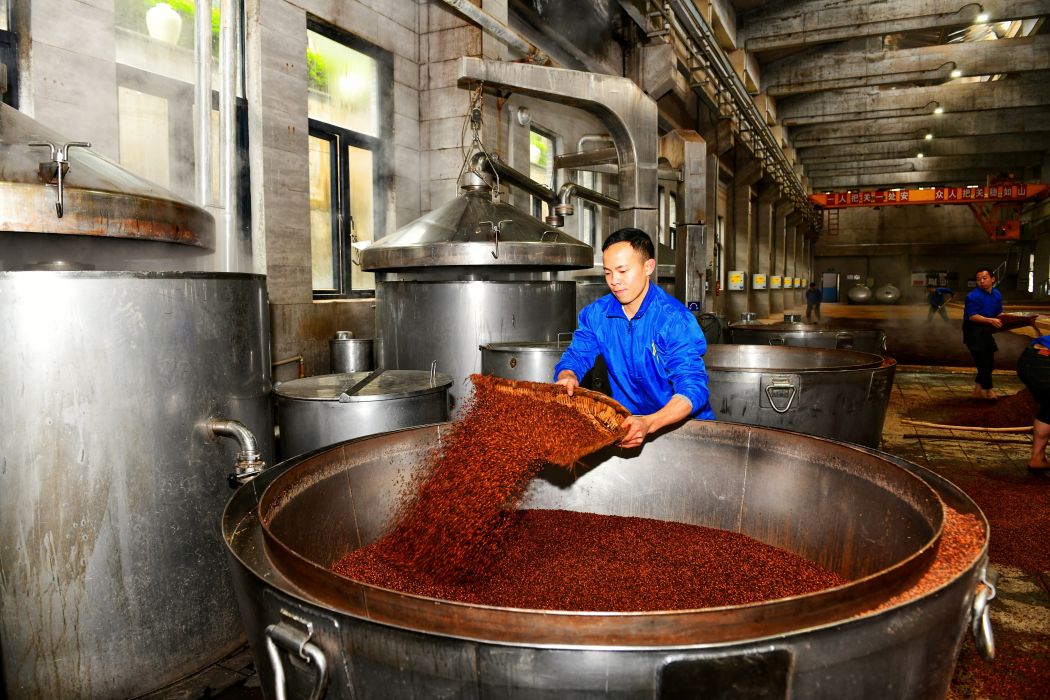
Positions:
{"x": 650, "y": 341}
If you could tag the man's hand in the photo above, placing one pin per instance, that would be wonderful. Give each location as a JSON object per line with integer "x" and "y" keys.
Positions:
{"x": 567, "y": 378}
{"x": 995, "y": 323}
{"x": 637, "y": 428}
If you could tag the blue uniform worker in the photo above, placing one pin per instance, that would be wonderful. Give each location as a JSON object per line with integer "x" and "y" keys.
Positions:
{"x": 980, "y": 319}
{"x": 651, "y": 343}
{"x": 937, "y": 298}
{"x": 1033, "y": 368}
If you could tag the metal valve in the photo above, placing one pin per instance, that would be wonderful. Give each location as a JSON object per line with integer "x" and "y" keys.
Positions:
{"x": 52, "y": 171}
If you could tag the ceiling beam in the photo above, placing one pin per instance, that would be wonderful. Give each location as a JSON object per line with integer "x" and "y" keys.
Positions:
{"x": 829, "y": 70}
{"x": 1028, "y": 90}
{"x": 1000, "y": 121}
{"x": 963, "y": 145}
{"x": 999, "y": 161}
{"x": 792, "y": 25}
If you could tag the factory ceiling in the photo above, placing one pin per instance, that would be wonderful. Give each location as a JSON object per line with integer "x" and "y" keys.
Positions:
{"x": 908, "y": 93}
{"x": 861, "y": 94}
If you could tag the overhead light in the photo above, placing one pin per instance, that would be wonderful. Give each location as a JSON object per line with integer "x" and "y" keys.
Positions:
{"x": 929, "y": 136}
{"x": 938, "y": 110}
{"x": 956, "y": 73}
{"x": 919, "y": 154}
{"x": 982, "y": 18}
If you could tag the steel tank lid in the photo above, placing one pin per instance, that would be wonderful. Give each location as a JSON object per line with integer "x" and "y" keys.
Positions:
{"x": 781, "y": 327}
{"x": 380, "y": 385}
{"x": 783, "y": 358}
{"x": 462, "y": 233}
{"x": 548, "y": 346}
{"x": 100, "y": 197}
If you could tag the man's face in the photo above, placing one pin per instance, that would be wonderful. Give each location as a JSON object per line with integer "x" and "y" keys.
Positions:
{"x": 985, "y": 280}
{"x": 626, "y": 272}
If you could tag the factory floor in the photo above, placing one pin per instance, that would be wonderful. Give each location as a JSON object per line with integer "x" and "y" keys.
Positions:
{"x": 934, "y": 377}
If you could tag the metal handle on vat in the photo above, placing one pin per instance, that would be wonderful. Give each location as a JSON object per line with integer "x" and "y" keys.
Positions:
{"x": 293, "y": 640}
{"x": 843, "y": 341}
{"x": 776, "y": 340}
{"x": 568, "y": 333}
{"x": 780, "y": 385}
{"x": 981, "y": 620}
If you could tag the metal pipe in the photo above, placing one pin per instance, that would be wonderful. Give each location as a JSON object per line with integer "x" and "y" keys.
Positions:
{"x": 202, "y": 97}
{"x": 249, "y": 461}
{"x": 493, "y": 26}
{"x": 290, "y": 360}
{"x": 515, "y": 177}
{"x": 572, "y": 189}
{"x": 228, "y": 15}
{"x": 588, "y": 138}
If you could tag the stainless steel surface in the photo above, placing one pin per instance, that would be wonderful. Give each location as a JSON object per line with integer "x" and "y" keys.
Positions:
{"x": 113, "y": 580}
{"x": 483, "y": 163}
{"x": 319, "y": 411}
{"x": 462, "y": 233}
{"x": 349, "y": 354}
{"x": 837, "y": 394}
{"x": 807, "y": 335}
{"x": 427, "y": 319}
{"x": 887, "y": 294}
{"x": 859, "y": 294}
{"x": 100, "y": 198}
{"x": 530, "y": 362}
{"x": 767, "y": 484}
{"x": 623, "y": 108}
{"x": 249, "y": 461}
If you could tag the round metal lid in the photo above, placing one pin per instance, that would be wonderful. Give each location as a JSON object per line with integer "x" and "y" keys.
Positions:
{"x": 809, "y": 328}
{"x": 524, "y": 346}
{"x": 100, "y": 198}
{"x": 463, "y": 233}
{"x": 381, "y": 385}
{"x": 783, "y": 358}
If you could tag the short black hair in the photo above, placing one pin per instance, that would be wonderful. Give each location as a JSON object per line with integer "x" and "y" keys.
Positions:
{"x": 984, "y": 269}
{"x": 812, "y": 284}
{"x": 638, "y": 239}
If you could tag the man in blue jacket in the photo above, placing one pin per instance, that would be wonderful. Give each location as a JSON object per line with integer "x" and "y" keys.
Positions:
{"x": 651, "y": 344}
{"x": 980, "y": 319}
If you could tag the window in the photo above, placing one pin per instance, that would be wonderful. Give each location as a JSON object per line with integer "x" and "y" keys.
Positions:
{"x": 667, "y": 203}
{"x": 588, "y": 214}
{"x": 156, "y": 78}
{"x": 9, "y": 53}
{"x": 541, "y": 164}
{"x": 348, "y": 125}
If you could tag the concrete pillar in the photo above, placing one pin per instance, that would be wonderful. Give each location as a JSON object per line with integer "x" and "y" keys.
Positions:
{"x": 741, "y": 235}
{"x": 785, "y": 254}
{"x": 765, "y": 263}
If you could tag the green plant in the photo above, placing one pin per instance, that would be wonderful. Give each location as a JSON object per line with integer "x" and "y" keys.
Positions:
{"x": 317, "y": 68}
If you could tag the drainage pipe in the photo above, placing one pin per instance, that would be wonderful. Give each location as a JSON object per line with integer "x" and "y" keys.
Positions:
{"x": 493, "y": 26}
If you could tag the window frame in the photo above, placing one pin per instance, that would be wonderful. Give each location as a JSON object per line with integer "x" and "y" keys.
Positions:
{"x": 342, "y": 220}
{"x": 9, "y": 57}
{"x": 535, "y": 203}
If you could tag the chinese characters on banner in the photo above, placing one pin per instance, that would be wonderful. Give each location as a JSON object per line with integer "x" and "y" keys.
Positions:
{"x": 948, "y": 195}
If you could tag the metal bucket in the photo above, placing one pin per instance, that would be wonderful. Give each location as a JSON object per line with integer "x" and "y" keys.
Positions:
{"x": 350, "y": 354}
{"x": 531, "y": 362}
{"x": 878, "y": 530}
{"x": 837, "y": 394}
{"x": 807, "y": 335}
{"x": 113, "y": 580}
{"x": 319, "y": 411}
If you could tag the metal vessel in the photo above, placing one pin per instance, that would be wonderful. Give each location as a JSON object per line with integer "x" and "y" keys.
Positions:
{"x": 887, "y": 294}
{"x": 472, "y": 272}
{"x": 363, "y": 642}
{"x": 859, "y": 294}
{"x": 350, "y": 354}
{"x": 837, "y": 394}
{"x": 113, "y": 580}
{"x": 531, "y": 362}
{"x": 807, "y": 335}
{"x": 319, "y": 411}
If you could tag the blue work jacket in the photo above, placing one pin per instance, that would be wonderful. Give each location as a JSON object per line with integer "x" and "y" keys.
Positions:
{"x": 652, "y": 357}
{"x": 988, "y": 304}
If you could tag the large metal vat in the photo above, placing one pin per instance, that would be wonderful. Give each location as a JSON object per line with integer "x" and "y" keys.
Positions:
{"x": 350, "y": 354}
{"x": 837, "y": 394}
{"x": 807, "y": 335}
{"x": 530, "y": 362}
{"x": 878, "y": 528}
{"x": 113, "y": 580}
{"x": 318, "y": 411}
{"x": 472, "y": 272}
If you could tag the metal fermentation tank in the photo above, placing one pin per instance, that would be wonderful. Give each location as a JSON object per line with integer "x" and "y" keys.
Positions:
{"x": 120, "y": 371}
{"x": 473, "y": 272}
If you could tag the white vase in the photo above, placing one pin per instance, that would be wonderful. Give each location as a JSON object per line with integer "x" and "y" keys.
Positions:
{"x": 164, "y": 23}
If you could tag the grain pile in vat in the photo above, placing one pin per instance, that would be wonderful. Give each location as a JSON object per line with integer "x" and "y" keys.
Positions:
{"x": 460, "y": 536}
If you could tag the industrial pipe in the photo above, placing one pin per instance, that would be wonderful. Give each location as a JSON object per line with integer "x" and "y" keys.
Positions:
{"x": 515, "y": 177}
{"x": 571, "y": 189}
{"x": 499, "y": 30}
{"x": 290, "y": 360}
{"x": 249, "y": 461}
